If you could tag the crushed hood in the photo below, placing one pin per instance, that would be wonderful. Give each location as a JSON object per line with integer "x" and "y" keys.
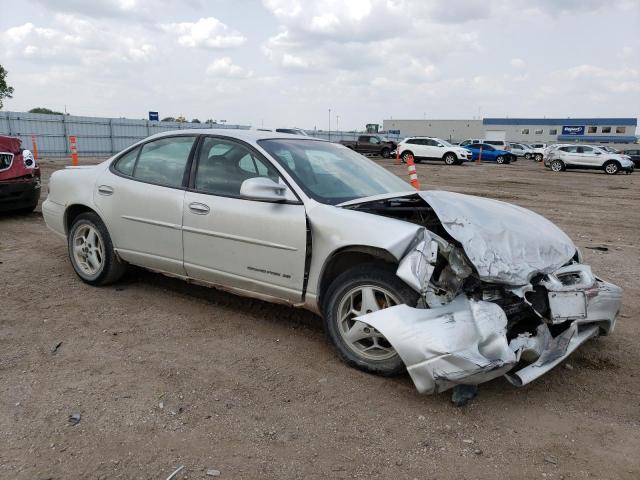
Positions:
{"x": 506, "y": 243}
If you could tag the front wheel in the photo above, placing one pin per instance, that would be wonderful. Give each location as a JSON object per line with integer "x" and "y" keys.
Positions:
{"x": 91, "y": 251}
{"x": 500, "y": 159}
{"x": 611, "y": 168}
{"x": 450, "y": 159}
{"x": 361, "y": 290}
{"x": 538, "y": 157}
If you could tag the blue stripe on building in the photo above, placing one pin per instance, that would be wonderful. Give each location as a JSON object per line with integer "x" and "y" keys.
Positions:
{"x": 562, "y": 121}
{"x": 597, "y": 138}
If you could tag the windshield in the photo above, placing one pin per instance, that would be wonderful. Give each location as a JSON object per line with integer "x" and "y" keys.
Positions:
{"x": 443, "y": 142}
{"x": 331, "y": 173}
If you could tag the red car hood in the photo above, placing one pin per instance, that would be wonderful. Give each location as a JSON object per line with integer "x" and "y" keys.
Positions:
{"x": 18, "y": 168}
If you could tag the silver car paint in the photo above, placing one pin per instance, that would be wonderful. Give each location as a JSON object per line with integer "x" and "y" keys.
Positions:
{"x": 464, "y": 342}
{"x": 505, "y": 243}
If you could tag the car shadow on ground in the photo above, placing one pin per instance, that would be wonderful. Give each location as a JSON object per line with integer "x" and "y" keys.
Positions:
{"x": 272, "y": 312}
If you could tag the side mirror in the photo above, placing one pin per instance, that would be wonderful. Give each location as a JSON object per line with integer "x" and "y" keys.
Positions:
{"x": 263, "y": 189}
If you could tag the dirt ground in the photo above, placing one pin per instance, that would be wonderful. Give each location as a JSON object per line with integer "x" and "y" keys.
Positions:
{"x": 165, "y": 374}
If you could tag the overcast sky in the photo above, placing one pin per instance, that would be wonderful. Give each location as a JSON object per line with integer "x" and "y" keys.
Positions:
{"x": 286, "y": 62}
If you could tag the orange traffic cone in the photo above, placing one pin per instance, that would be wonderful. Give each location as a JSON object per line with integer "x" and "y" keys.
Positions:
{"x": 413, "y": 176}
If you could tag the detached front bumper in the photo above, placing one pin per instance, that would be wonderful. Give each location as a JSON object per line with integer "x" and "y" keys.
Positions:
{"x": 467, "y": 342}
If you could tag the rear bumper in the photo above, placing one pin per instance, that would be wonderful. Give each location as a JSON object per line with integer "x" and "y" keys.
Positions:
{"x": 53, "y": 214}
{"x": 19, "y": 194}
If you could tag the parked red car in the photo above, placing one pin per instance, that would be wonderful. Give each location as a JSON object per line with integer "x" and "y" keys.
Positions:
{"x": 19, "y": 177}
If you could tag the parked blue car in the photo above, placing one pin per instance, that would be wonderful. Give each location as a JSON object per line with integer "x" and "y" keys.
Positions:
{"x": 489, "y": 153}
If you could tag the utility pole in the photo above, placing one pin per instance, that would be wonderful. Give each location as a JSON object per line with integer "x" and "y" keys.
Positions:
{"x": 337, "y": 123}
{"x": 329, "y": 124}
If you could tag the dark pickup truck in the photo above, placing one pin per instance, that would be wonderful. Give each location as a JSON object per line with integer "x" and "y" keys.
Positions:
{"x": 19, "y": 177}
{"x": 373, "y": 144}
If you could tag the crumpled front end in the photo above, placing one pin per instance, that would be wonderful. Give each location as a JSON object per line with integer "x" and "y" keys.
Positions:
{"x": 487, "y": 333}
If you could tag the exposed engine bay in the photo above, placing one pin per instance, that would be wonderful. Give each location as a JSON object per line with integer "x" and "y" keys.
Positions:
{"x": 474, "y": 322}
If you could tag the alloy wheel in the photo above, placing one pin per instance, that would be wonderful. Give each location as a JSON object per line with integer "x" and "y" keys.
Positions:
{"x": 88, "y": 250}
{"x": 362, "y": 339}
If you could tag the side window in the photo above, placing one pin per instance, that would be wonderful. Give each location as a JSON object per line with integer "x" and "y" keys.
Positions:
{"x": 585, "y": 150}
{"x": 430, "y": 143}
{"x": 363, "y": 138}
{"x": 413, "y": 141}
{"x": 223, "y": 166}
{"x": 163, "y": 161}
{"x": 374, "y": 140}
{"x": 126, "y": 162}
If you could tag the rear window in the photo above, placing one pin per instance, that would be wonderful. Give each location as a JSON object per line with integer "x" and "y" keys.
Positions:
{"x": 126, "y": 163}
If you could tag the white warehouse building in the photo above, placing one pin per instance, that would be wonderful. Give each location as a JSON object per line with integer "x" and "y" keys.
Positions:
{"x": 525, "y": 130}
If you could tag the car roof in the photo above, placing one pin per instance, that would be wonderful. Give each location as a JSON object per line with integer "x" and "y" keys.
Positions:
{"x": 246, "y": 135}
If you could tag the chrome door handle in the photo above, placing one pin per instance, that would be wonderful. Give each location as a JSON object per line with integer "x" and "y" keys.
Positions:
{"x": 199, "y": 208}
{"x": 105, "y": 190}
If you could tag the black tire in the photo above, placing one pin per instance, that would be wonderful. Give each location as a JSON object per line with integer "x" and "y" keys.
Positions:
{"x": 373, "y": 275}
{"x": 557, "y": 166}
{"x": 527, "y": 156}
{"x": 405, "y": 156}
{"x": 611, "y": 167}
{"x": 450, "y": 159}
{"x": 386, "y": 153}
{"x": 111, "y": 268}
{"x": 538, "y": 157}
{"x": 500, "y": 160}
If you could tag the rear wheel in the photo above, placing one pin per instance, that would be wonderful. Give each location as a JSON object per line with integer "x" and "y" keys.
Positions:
{"x": 91, "y": 251}
{"x": 450, "y": 159}
{"x": 405, "y": 156}
{"x": 611, "y": 167}
{"x": 361, "y": 290}
{"x": 538, "y": 157}
{"x": 557, "y": 166}
{"x": 385, "y": 153}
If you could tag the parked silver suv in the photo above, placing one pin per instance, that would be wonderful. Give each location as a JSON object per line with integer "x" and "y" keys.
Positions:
{"x": 586, "y": 157}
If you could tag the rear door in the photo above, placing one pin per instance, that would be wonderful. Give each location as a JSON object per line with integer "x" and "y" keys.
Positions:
{"x": 230, "y": 241}
{"x": 431, "y": 148}
{"x": 140, "y": 198}
{"x": 589, "y": 157}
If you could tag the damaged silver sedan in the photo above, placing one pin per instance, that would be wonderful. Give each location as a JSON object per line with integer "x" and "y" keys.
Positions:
{"x": 456, "y": 289}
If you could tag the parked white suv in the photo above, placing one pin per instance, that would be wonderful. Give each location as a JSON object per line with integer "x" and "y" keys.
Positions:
{"x": 587, "y": 157}
{"x": 521, "y": 150}
{"x": 429, "y": 148}
{"x": 538, "y": 151}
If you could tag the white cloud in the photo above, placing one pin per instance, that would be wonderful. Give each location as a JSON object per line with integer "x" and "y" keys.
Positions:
{"x": 70, "y": 40}
{"x": 225, "y": 68}
{"x": 207, "y": 32}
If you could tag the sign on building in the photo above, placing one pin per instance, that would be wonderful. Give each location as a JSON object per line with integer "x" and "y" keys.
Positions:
{"x": 154, "y": 116}
{"x": 573, "y": 130}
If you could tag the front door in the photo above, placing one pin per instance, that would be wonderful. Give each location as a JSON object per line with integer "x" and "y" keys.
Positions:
{"x": 141, "y": 200}
{"x": 255, "y": 246}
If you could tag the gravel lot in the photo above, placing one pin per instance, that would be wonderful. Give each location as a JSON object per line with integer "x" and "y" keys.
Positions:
{"x": 165, "y": 374}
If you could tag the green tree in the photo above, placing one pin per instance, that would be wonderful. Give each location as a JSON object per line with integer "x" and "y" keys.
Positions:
{"x": 181, "y": 119}
{"x": 195, "y": 120}
{"x": 168, "y": 119}
{"x": 6, "y": 91}
{"x": 211, "y": 121}
{"x": 45, "y": 110}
